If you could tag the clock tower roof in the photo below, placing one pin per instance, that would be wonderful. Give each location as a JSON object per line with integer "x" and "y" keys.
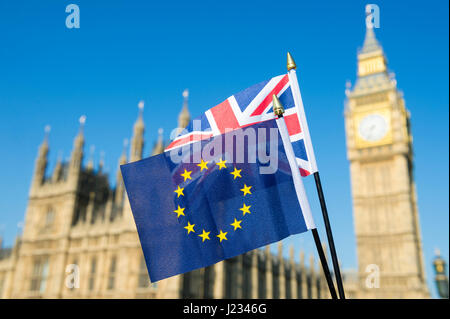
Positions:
{"x": 372, "y": 67}
{"x": 371, "y": 43}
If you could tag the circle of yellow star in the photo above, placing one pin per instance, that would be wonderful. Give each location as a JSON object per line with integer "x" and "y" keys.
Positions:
{"x": 179, "y": 191}
{"x": 236, "y": 224}
{"x": 222, "y": 235}
{"x": 186, "y": 174}
{"x": 246, "y": 189}
{"x": 221, "y": 164}
{"x": 203, "y": 165}
{"x": 190, "y": 227}
{"x": 245, "y": 209}
{"x": 236, "y": 173}
{"x": 204, "y": 235}
{"x": 179, "y": 211}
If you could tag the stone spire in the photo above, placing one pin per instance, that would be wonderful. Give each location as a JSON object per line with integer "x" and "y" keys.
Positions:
{"x": 281, "y": 271}
{"x": 372, "y": 67}
{"x": 42, "y": 160}
{"x": 280, "y": 250}
{"x": 137, "y": 141}
{"x": 371, "y": 43}
{"x": 184, "y": 117}
{"x": 101, "y": 162}
{"x": 291, "y": 255}
{"x": 90, "y": 165}
{"x": 58, "y": 168}
{"x": 78, "y": 144}
{"x": 159, "y": 146}
{"x": 123, "y": 157}
{"x": 120, "y": 189}
{"x": 302, "y": 259}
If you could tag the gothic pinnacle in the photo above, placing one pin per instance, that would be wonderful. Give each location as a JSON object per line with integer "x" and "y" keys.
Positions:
{"x": 82, "y": 121}
{"x": 47, "y": 130}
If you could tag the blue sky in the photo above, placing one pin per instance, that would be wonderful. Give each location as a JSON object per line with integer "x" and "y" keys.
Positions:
{"x": 126, "y": 51}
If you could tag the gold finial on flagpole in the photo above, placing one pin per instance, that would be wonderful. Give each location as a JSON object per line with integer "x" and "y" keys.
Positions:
{"x": 290, "y": 62}
{"x": 278, "y": 108}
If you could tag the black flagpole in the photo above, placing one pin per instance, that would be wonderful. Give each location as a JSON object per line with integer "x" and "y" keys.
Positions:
{"x": 324, "y": 263}
{"x": 279, "y": 110}
{"x": 326, "y": 220}
{"x": 292, "y": 66}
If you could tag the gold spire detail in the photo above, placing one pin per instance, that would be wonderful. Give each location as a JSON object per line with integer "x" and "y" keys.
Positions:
{"x": 278, "y": 108}
{"x": 290, "y": 62}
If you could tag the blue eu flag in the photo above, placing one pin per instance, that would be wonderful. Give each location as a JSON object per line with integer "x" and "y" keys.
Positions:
{"x": 214, "y": 203}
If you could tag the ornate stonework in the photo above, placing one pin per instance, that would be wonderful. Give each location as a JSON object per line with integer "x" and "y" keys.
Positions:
{"x": 379, "y": 148}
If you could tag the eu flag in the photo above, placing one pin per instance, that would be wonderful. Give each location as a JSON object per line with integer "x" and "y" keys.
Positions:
{"x": 215, "y": 201}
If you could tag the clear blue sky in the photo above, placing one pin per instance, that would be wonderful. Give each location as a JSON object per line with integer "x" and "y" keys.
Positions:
{"x": 126, "y": 51}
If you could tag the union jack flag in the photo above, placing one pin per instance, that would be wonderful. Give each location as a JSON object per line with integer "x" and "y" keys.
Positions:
{"x": 254, "y": 105}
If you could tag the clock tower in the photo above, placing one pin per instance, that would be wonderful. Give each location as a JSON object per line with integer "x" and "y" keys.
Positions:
{"x": 379, "y": 148}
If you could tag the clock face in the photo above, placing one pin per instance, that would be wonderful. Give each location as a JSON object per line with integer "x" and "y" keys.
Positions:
{"x": 373, "y": 127}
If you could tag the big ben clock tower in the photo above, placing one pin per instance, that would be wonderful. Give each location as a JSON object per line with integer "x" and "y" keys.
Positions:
{"x": 379, "y": 148}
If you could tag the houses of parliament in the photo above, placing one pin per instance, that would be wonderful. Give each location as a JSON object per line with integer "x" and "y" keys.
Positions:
{"x": 76, "y": 223}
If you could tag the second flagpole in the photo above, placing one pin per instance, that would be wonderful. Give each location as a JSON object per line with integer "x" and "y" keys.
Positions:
{"x": 291, "y": 66}
{"x": 301, "y": 195}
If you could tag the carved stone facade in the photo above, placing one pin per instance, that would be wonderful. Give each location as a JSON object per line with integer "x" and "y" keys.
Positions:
{"x": 76, "y": 223}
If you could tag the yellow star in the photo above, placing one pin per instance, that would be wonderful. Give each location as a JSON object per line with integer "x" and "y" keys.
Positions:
{"x": 236, "y": 224}
{"x": 245, "y": 209}
{"x": 246, "y": 189}
{"x": 222, "y": 235}
{"x": 179, "y": 211}
{"x": 190, "y": 227}
{"x": 186, "y": 174}
{"x": 221, "y": 164}
{"x": 236, "y": 173}
{"x": 203, "y": 165}
{"x": 204, "y": 235}
{"x": 179, "y": 191}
